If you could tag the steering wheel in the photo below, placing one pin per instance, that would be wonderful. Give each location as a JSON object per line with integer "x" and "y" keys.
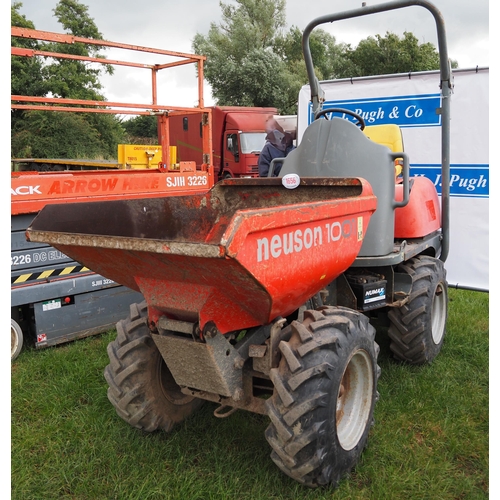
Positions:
{"x": 360, "y": 122}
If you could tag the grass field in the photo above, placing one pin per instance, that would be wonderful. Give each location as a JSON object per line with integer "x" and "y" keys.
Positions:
{"x": 430, "y": 439}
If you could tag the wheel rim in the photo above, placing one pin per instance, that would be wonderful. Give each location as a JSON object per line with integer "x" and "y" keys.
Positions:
{"x": 439, "y": 304}
{"x": 354, "y": 400}
{"x": 15, "y": 339}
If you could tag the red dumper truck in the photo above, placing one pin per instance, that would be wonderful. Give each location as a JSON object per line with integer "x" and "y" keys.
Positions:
{"x": 238, "y": 135}
{"x": 260, "y": 294}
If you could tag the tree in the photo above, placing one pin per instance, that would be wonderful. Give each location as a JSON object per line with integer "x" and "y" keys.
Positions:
{"x": 242, "y": 67}
{"x": 25, "y": 71}
{"x": 387, "y": 55}
{"x": 251, "y": 61}
{"x": 324, "y": 51}
{"x": 46, "y": 134}
{"x": 89, "y": 135}
{"x": 70, "y": 78}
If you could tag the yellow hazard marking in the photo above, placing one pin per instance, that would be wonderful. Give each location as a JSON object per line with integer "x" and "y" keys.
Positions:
{"x": 45, "y": 274}
{"x": 23, "y": 278}
{"x": 67, "y": 270}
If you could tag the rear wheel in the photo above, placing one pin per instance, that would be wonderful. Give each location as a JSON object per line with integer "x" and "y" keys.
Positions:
{"x": 141, "y": 387}
{"x": 16, "y": 339}
{"x": 418, "y": 328}
{"x": 325, "y": 389}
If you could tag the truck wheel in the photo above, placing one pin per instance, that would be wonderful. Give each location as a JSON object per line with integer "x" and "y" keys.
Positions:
{"x": 325, "y": 389}
{"x": 141, "y": 387}
{"x": 16, "y": 339}
{"x": 417, "y": 329}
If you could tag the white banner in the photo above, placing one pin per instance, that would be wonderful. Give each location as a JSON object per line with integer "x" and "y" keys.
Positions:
{"x": 410, "y": 101}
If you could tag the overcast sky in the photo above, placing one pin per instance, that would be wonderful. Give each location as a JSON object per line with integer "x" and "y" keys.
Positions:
{"x": 172, "y": 24}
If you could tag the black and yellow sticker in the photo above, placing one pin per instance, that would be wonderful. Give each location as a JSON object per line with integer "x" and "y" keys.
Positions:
{"x": 48, "y": 273}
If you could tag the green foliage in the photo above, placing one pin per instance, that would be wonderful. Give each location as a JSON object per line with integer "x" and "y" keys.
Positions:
{"x": 430, "y": 439}
{"x": 69, "y": 78}
{"x": 324, "y": 51}
{"x": 61, "y": 135}
{"x": 75, "y": 19}
{"x": 250, "y": 44}
{"x": 257, "y": 80}
{"x": 387, "y": 55}
{"x": 25, "y": 71}
{"x": 66, "y": 135}
{"x": 252, "y": 24}
{"x": 141, "y": 128}
{"x": 241, "y": 66}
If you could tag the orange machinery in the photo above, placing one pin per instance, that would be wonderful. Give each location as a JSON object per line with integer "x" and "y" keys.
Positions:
{"x": 53, "y": 298}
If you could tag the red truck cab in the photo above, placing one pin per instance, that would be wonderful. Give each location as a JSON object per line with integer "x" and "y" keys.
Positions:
{"x": 238, "y": 135}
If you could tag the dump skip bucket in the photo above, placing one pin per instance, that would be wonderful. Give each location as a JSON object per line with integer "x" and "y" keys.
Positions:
{"x": 240, "y": 255}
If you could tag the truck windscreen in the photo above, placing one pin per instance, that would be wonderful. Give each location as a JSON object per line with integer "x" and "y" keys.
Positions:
{"x": 252, "y": 142}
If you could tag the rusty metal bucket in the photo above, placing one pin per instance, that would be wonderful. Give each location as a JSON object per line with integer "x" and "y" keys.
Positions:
{"x": 244, "y": 253}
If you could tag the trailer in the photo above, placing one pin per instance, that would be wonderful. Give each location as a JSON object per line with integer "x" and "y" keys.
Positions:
{"x": 129, "y": 156}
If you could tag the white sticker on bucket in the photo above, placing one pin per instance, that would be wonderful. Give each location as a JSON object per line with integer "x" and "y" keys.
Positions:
{"x": 290, "y": 181}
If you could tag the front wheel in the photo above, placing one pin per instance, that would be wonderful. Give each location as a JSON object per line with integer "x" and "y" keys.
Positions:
{"x": 417, "y": 329}
{"x": 325, "y": 389}
{"x": 141, "y": 387}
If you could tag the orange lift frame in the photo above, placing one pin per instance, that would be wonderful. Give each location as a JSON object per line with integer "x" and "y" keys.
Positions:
{"x": 89, "y": 106}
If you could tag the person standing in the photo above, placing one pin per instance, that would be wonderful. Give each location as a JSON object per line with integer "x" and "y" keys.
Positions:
{"x": 278, "y": 144}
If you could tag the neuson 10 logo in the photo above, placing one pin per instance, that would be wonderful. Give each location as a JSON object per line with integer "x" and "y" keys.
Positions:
{"x": 305, "y": 238}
